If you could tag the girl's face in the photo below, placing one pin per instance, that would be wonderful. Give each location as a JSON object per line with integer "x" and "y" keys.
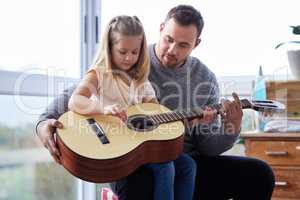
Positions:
{"x": 125, "y": 51}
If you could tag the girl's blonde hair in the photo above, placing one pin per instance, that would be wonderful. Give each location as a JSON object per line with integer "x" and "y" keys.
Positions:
{"x": 125, "y": 26}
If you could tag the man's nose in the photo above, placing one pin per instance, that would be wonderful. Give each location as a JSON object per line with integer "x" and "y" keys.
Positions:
{"x": 172, "y": 49}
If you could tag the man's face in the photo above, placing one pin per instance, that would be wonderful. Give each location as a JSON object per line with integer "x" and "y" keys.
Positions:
{"x": 176, "y": 43}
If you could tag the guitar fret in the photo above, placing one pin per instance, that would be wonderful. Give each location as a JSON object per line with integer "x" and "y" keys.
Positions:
{"x": 171, "y": 116}
{"x": 153, "y": 119}
{"x": 165, "y": 118}
{"x": 177, "y": 115}
{"x": 174, "y": 116}
{"x": 158, "y": 118}
{"x": 161, "y": 118}
{"x": 181, "y": 114}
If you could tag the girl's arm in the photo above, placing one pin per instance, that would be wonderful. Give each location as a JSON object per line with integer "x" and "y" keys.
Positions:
{"x": 152, "y": 100}
{"x": 80, "y": 101}
{"x": 148, "y": 93}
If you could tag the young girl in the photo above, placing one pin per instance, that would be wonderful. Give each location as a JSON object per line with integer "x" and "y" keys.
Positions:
{"x": 118, "y": 79}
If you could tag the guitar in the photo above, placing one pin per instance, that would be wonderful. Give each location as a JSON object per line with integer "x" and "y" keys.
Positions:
{"x": 102, "y": 148}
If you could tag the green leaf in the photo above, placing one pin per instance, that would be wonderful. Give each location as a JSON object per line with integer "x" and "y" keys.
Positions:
{"x": 296, "y": 29}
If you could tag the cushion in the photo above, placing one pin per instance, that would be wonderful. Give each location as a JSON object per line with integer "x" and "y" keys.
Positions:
{"x": 107, "y": 194}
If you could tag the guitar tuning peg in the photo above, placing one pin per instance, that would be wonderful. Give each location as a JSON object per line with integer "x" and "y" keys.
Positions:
{"x": 268, "y": 113}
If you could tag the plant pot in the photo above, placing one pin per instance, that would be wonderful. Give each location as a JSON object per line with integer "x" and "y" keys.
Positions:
{"x": 294, "y": 62}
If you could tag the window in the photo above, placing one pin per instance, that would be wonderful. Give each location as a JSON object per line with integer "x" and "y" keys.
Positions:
{"x": 40, "y": 37}
{"x": 45, "y": 47}
{"x": 238, "y": 36}
{"x": 27, "y": 170}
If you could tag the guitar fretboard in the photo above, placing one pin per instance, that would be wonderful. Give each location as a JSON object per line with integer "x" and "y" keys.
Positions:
{"x": 188, "y": 114}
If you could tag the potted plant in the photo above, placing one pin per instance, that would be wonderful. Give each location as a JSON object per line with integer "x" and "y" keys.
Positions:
{"x": 294, "y": 53}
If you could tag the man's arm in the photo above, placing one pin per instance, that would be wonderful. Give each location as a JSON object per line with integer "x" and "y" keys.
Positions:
{"x": 47, "y": 122}
{"x": 218, "y": 136}
{"x": 58, "y": 106}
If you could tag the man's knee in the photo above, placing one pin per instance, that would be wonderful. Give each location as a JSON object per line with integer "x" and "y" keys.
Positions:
{"x": 265, "y": 173}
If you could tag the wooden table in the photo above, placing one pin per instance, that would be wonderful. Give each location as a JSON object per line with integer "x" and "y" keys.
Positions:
{"x": 282, "y": 152}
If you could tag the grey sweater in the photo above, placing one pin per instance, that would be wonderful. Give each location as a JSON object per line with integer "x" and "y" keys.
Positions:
{"x": 189, "y": 86}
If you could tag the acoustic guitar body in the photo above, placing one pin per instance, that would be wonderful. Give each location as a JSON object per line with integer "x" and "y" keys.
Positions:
{"x": 117, "y": 150}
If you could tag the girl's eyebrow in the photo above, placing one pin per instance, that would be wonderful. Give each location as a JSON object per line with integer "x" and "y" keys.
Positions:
{"x": 124, "y": 49}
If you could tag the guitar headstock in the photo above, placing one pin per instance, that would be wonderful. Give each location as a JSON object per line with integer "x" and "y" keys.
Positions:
{"x": 267, "y": 106}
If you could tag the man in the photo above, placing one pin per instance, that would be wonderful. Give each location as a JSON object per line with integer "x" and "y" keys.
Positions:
{"x": 183, "y": 82}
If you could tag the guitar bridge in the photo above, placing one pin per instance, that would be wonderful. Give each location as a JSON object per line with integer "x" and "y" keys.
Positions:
{"x": 98, "y": 130}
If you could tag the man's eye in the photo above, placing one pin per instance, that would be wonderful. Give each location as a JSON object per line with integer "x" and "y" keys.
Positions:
{"x": 122, "y": 52}
{"x": 183, "y": 46}
{"x": 170, "y": 40}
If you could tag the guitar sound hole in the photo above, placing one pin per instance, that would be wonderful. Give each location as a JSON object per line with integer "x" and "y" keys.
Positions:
{"x": 140, "y": 123}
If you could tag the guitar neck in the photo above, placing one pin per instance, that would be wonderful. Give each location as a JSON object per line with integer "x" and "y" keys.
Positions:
{"x": 189, "y": 113}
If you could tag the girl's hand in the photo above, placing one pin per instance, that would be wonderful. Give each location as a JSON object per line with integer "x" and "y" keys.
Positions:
{"x": 117, "y": 111}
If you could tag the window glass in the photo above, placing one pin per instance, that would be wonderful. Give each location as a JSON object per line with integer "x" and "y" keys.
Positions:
{"x": 238, "y": 36}
{"x": 27, "y": 171}
{"x": 40, "y": 36}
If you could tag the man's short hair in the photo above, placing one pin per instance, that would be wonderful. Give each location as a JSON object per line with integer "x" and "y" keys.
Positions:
{"x": 186, "y": 15}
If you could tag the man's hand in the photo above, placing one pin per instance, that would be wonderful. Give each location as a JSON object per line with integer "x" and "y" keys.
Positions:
{"x": 233, "y": 114}
{"x": 46, "y": 131}
{"x": 209, "y": 115}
